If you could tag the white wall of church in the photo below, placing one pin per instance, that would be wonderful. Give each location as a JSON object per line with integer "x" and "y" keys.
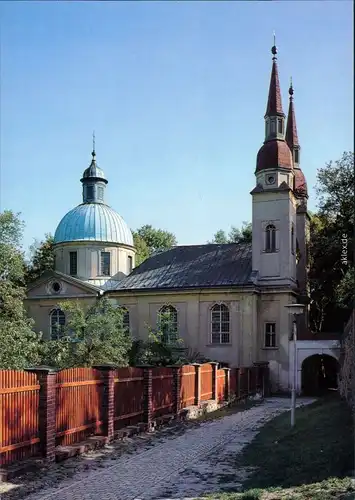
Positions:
{"x": 194, "y": 321}
{"x": 271, "y": 309}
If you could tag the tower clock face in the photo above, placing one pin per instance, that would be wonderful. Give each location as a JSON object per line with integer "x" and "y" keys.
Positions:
{"x": 271, "y": 179}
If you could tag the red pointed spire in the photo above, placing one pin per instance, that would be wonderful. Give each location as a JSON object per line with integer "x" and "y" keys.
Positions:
{"x": 291, "y": 127}
{"x": 274, "y": 103}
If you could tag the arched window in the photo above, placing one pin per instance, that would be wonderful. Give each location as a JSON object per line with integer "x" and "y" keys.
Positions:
{"x": 125, "y": 319}
{"x": 57, "y": 323}
{"x": 270, "y": 239}
{"x": 220, "y": 324}
{"x": 168, "y": 324}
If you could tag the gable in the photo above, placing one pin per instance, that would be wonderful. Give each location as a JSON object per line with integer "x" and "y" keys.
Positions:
{"x": 58, "y": 286}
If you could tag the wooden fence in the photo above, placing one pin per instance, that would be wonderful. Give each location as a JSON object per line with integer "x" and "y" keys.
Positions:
{"x": 42, "y": 409}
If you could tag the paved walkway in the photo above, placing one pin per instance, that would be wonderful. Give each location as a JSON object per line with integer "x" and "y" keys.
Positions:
{"x": 195, "y": 462}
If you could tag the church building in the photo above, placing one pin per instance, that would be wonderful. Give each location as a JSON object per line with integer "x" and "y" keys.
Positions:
{"x": 226, "y": 301}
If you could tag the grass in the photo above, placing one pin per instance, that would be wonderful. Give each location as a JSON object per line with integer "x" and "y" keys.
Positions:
{"x": 312, "y": 461}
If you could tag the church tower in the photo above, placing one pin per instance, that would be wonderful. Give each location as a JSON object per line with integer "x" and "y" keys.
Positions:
{"x": 301, "y": 194}
{"x": 274, "y": 202}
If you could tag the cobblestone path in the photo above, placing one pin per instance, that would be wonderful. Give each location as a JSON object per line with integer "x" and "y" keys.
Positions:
{"x": 195, "y": 462}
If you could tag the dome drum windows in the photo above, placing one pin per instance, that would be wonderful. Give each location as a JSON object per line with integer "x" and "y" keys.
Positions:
{"x": 220, "y": 324}
{"x": 105, "y": 263}
{"x": 168, "y": 324}
{"x": 73, "y": 263}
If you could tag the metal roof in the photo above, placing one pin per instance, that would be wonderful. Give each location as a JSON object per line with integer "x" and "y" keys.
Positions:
{"x": 93, "y": 222}
{"x": 195, "y": 266}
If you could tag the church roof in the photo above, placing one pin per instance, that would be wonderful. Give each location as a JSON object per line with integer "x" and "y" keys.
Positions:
{"x": 93, "y": 222}
{"x": 274, "y": 154}
{"x": 194, "y": 266}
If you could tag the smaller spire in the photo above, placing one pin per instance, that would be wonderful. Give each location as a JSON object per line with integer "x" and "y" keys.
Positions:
{"x": 291, "y": 127}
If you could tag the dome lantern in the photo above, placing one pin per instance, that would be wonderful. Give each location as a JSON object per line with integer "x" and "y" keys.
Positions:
{"x": 94, "y": 181}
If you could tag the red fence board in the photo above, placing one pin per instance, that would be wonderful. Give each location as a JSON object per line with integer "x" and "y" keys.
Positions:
{"x": 78, "y": 404}
{"x": 129, "y": 396}
{"x": 187, "y": 386}
{"x": 19, "y": 403}
{"x": 206, "y": 382}
{"x": 162, "y": 391}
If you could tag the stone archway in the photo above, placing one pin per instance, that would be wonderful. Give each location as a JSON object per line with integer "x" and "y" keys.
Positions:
{"x": 319, "y": 375}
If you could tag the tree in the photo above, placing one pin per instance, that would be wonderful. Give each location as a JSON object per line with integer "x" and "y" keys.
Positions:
{"x": 142, "y": 250}
{"x": 332, "y": 240}
{"x": 220, "y": 237}
{"x": 42, "y": 258}
{"x": 94, "y": 335}
{"x": 150, "y": 240}
{"x": 235, "y": 235}
{"x": 20, "y": 346}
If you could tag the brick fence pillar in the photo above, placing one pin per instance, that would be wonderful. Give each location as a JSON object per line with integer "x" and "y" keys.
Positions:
{"x": 47, "y": 378}
{"x": 197, "y": 383}
{"x": 148, "y": 396}
{"x": 108, "y": 403}
{"x": 214, "y": 380}
{"x": 176, "y": 388}
{"x": 227, "y": 386}
{"x": 237, "y": 376}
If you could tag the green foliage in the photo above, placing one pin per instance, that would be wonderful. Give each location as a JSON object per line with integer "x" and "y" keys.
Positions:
{"x": 157, "y": 350}
{"x": 42, "y": 258}
{"x": 20, "y": 346}
{"x": 149, "y": 240}
{"x": 331, "y": 246}
{"x": 142, "y": 250}
{"x": 235, "y": 235}
{"x": 93, "y": 336}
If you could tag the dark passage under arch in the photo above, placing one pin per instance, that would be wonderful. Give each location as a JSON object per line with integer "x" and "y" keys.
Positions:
{"x": 319, "y": 375}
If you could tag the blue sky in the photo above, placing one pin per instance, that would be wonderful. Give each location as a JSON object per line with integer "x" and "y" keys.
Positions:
{"x": 176, "y": 93}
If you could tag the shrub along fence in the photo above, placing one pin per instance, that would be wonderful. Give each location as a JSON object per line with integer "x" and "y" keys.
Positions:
{"x": 42, "y": 408}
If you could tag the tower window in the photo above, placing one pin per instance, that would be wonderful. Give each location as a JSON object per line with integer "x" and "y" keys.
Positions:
{"x": 273, "y": 128}
{"x": 100, "y": 193}
{"x": 89, "y": 192}
{"x": 270, "y": 239}
{"x": 292, "y": 240}
{"x": 270, "y": 335}
{"x": 130, "y": 264}
{"x": 73, "y": 263}
{"x": 280, "y": 126}
{"x": 105, "y": 263}
{"x": 296, "y": 156}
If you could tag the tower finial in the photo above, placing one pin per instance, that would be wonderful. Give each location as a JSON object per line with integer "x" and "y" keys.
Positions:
{"x": 274, "y": 48}
{"x": 93, "y": 144}
{"x": 290, "y": 90}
